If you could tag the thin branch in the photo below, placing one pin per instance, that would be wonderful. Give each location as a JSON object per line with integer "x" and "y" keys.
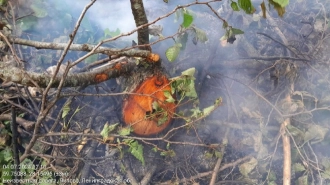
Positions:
{"x": 218, "y": 163}
{"x": 45, "y": 110}
{"x": 79, "y": 47}
{"x": 14, "y": 142}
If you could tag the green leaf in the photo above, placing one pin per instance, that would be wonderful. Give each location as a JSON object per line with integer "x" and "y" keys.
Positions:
{"x": 191, "y": 91}
{"x": 200, "y": 35}
{"x": 218, "y": 101}
{"x": 169, "y": 153}
{"x": 125, "y": 131}
{"x": 237, "y": 31}
{"x": 27, "y": 23}
{"x": 208, "y": 155}
{"x": 187, "y": 19}
{"x": 208, "y": 110}
{"x": 280, "y": 10}
{"x": 315, "y": 133}
{"x": 155, "y": 106}
{"x": 298, "y": 167}
{"x": 183, "y": 40}
{"x": 247, "y": 167}
{"x": 66, "y": 19}
{"x": 28, "y": 162}
{"x": 154, "y": 149}
{"x": 234, "y": 6}
{"x": 169, "y": 97}
{"x": 303, "y": 180}
{"x": 173, "y": 52}
{"x": 39, "y": 9}
{"x": 189, "y": 72}
{"x": 168, "y": 146}
{"x": 218, "y": 154}
{"x": 66, "y": 110}
{"x": 246, "y": 5}
{"x": 136, "y": 150}
{"x": 92, "y": 58}
{"x": 5, "y": 174}
{"x": 282, "y": 3}
{"x": 6, "y": 155}
{"x": 195, "y": 112}
{"x": 108, "y": 33}
{"x": 326, "y": 174}
{"x": 225, "y": 24}
{"x": 224, "y": 37}
{"x": 163, "y": 119}
{"x": 177, "y": 16}
{"x": 107, "y": 129}
{"x": 3, "y": 2}
{"x": 294, "y": 131}
{"x": 86, "y": 24}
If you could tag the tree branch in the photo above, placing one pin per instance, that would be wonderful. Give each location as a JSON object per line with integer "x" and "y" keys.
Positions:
{"x": 121, "y": 66}
{"x": 79, "y": 47}
{"x": 140, "y": 18}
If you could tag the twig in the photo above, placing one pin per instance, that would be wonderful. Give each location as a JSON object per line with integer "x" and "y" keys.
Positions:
{"x": 79, "y": 47}
{"x": 147, "y": 177}
{"x": 286, "y": 153}
{"x": 15, "y": 143}
{"x": 129, "y": 173}
{"x": 217, "y": 165}
{"x": 205, "y": 174}
{"x": 45, "y": 110}
{"x": 274, "y": 58}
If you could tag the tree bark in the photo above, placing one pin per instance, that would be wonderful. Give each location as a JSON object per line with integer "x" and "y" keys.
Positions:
{"x": 123, "y": 66}
{"x": 79, "y": 47}
{"x": 140, "y": 18}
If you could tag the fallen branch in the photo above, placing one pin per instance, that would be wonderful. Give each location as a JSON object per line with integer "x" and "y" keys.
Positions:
{"x": 79, "y": 47}
{"x": 121, "y": 66}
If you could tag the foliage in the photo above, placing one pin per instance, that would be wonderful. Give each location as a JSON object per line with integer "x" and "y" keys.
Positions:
{"x": 107, "y": 129}
{"x": 107, "y": 33}
{"x": 173, "y": 52}
{"x": 230, "y": 34}
{"x": 135, "y": 149}
{"x": 248, "y": 166}
{"x": 39, "y": 9}
{"x": 184, "y": 85}
{"x": 187, "y": 19}
{"x": 247, "y": 6}
{"x": 280, "y": 9}
{"x": 181, "y": 41}
{"x": 125, "y": 131}
{"x": 282, "y": 3}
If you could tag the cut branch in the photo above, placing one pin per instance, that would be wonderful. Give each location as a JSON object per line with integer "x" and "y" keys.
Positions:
{"x": 122, "y": 66}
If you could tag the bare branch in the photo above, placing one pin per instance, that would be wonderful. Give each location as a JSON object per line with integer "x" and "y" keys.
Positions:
{"x": 79, "y": 47}
{"x": 121, "y": 66}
